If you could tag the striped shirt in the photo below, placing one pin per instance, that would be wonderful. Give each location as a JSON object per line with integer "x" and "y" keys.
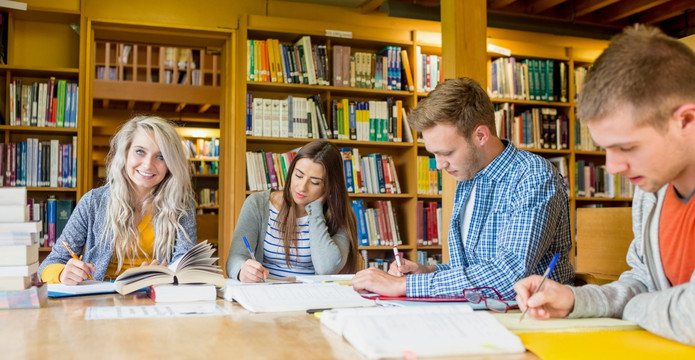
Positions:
{"x": 519, "y": 220}
{"x": 274, "y": 251}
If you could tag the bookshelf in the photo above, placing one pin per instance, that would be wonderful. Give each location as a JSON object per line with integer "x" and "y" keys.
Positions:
{"x": 404, "y": 154}
{"x": 42, "y": 52}
{"x": 174, "y": 73}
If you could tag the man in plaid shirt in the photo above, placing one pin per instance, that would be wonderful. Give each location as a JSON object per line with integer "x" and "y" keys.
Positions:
{"x": 510, "y": 215}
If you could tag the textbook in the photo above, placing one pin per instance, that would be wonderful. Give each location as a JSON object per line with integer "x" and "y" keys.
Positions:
{"x": 182, "y": 293}
{"x": 446, "y": 330}
{"x": 197, "y": 266}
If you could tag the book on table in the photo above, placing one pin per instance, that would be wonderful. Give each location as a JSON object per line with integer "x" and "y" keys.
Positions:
{"x": 182, "y": 293}
{"x": 86, "y": 287}
{"x": 196, "y": 266}
{"x": 445, "y": 330}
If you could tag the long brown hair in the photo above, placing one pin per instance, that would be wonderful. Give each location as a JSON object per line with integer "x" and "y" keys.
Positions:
{"x": 336, "y": 206}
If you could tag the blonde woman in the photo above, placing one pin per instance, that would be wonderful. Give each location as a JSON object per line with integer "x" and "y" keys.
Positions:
{"x": 145, "y": 214}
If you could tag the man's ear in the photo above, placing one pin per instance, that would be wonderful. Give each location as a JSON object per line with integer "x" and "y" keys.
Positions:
{"x": 480, "y": 135}
{"x": 685, "y": 115}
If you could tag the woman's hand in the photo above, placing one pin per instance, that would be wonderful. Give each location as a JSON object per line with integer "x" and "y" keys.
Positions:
{"x": 252, "y": 272}
{"x": 76, "y": 271}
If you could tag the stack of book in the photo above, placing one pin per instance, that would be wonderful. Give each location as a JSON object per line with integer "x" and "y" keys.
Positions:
{"x": 19, "y": 253}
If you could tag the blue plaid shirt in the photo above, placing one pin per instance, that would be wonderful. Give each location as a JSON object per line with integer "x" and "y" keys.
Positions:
{"x": 520, "y": 220}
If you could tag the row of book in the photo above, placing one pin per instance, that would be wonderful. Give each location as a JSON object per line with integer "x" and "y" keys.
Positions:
{"x": 534, "y": 128}
{"x": 205, "y": 167}
{"x": 529, "y": 79}
{"x": 376, "y": 226}
{"x": 426, "y": 258}
{"x": 52, "y": 214}
{"x": 266, "y": 170}
{"x": 298, "y": 117}
{"x": 19, "y": 253}
{"x": 39, "y": 163}
{"x": 208, "y": 197}
{"x": 306, "y": 63}
{"x": 429, "y": 178}
{"x": 582, "y": 138}
{"x": 43, "y": 104}
{"x": 429, "y": 223}
{"x": 579, "y": 76}
{"x": 371, "y": 174}
{"x": 428, "y": 71}
{"x": 202, "y": 148}
{"x": 594, "y": 181}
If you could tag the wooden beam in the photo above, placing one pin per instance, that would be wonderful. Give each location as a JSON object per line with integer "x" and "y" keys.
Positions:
{"x": 156, "y": 105}
{"x": 131, "y": 105}
{"x": 180, "y": 107}
{"x": 666, "y": 11}
{"x": 584, "y": 7}
{"x": 203, "y": 108}
{"x": 369, "y": 6}
{"x": 498, "y": 4}
{"x": 539, "y": 6}
{"x": 105, "y": 103}
{"x": 624, "y": 9}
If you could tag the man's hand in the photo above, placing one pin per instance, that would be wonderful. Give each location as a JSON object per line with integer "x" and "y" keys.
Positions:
{"x": 377, "y": 281}
{"x": 553, "y": 300}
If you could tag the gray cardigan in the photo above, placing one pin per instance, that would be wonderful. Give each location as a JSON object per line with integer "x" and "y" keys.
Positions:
{"x": 643, "y": 294}
{"x": 84, "y": 228}
{"x": 328, "y": 253}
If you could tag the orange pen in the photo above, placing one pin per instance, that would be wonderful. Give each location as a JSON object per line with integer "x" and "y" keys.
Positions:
{"x": 74, "y": 256}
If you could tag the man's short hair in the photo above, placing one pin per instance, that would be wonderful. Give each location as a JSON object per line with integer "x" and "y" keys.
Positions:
{"x": 642, "y": 70}
{"x": 461, "y": 102}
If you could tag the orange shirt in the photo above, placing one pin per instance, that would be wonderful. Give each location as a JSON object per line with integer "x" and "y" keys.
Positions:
{"x": 51, "y": 274}
{"x": 677, "y": 237}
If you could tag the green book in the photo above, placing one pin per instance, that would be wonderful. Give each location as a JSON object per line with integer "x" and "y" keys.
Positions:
{"x": 63, "y": 212}
{"x": 60, "y": 116}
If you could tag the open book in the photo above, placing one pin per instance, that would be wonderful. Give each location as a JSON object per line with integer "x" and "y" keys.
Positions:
{"x": 445, "y": 330}
{"x": 197, "y": 266}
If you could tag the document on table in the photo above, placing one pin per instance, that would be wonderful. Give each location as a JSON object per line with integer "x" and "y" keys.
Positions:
{"x": 153, "y": 311}
{"x": 297, "y": 297}
{"x": 530, "y": 325}
{"x": 87, "y": 287}
{"x": 445, "y": 330}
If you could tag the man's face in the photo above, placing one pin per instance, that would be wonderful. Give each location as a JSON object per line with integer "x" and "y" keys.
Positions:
{"x": 455, "y": 154}
{"x": 648, "y": 157}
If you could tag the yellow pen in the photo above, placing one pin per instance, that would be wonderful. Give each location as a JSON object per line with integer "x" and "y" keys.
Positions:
{"x": 74, "y": 256}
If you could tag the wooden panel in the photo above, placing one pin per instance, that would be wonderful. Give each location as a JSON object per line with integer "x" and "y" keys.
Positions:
{"x": 170, "y": 93}
{"x": 603, "y": 238}
{"x": 207, "y": 225}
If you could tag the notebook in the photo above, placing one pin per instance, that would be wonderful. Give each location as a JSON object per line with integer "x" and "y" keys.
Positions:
{"x": 445, "y": 330}
{"x": 269, "y": 297}
{"x": 87, "y": 287}
{"x": 529, "y": 325}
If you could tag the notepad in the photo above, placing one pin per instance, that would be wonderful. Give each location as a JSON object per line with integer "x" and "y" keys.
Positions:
{"x": 529, "y": 325}
{"x": 296, "y": 297}
{"x": 445, "y": 330}
{"x": 87, "y": 287}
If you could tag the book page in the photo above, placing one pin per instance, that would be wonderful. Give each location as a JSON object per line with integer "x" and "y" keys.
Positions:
{"x": 297, "y": 297}
{"x": 425, "y": 331}
{"x": 84, "y": 288}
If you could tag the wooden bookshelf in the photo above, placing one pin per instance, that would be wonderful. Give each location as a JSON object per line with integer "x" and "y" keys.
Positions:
{"x": 175, "y": 73}
{"x": 31, "y": 59}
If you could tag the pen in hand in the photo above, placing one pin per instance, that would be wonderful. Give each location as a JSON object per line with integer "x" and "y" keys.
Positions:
{"x": 74, "y": 256}
{"x": 398, "y": 258}
{"x": 545, "y": 276}
{"x": 248, "y": 247}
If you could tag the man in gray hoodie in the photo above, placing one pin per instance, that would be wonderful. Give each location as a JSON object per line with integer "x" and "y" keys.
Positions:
{"x": 639, "y": 103}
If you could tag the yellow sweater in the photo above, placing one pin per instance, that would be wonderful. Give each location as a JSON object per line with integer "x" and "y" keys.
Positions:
{"x": 51, "y": 274}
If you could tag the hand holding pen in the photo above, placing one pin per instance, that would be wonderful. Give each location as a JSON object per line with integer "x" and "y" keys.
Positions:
{"x": 252, "y": 271}
{"x": 75, "y": 270}
{"x": 542, "y": 297}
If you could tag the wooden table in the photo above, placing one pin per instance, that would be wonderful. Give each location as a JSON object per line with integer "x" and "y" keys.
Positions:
{"x": 59, "y": 331}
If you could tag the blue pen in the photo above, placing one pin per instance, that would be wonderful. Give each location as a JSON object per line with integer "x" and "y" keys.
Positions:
{"x": 246, "y": 242}
{"x": 545, "y": 276}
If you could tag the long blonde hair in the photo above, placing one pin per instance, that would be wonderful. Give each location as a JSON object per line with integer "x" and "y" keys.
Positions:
{"x": 170, "y": 200}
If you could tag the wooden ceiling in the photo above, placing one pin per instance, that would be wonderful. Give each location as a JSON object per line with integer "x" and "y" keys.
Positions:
{"x": 589, "y": 18}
